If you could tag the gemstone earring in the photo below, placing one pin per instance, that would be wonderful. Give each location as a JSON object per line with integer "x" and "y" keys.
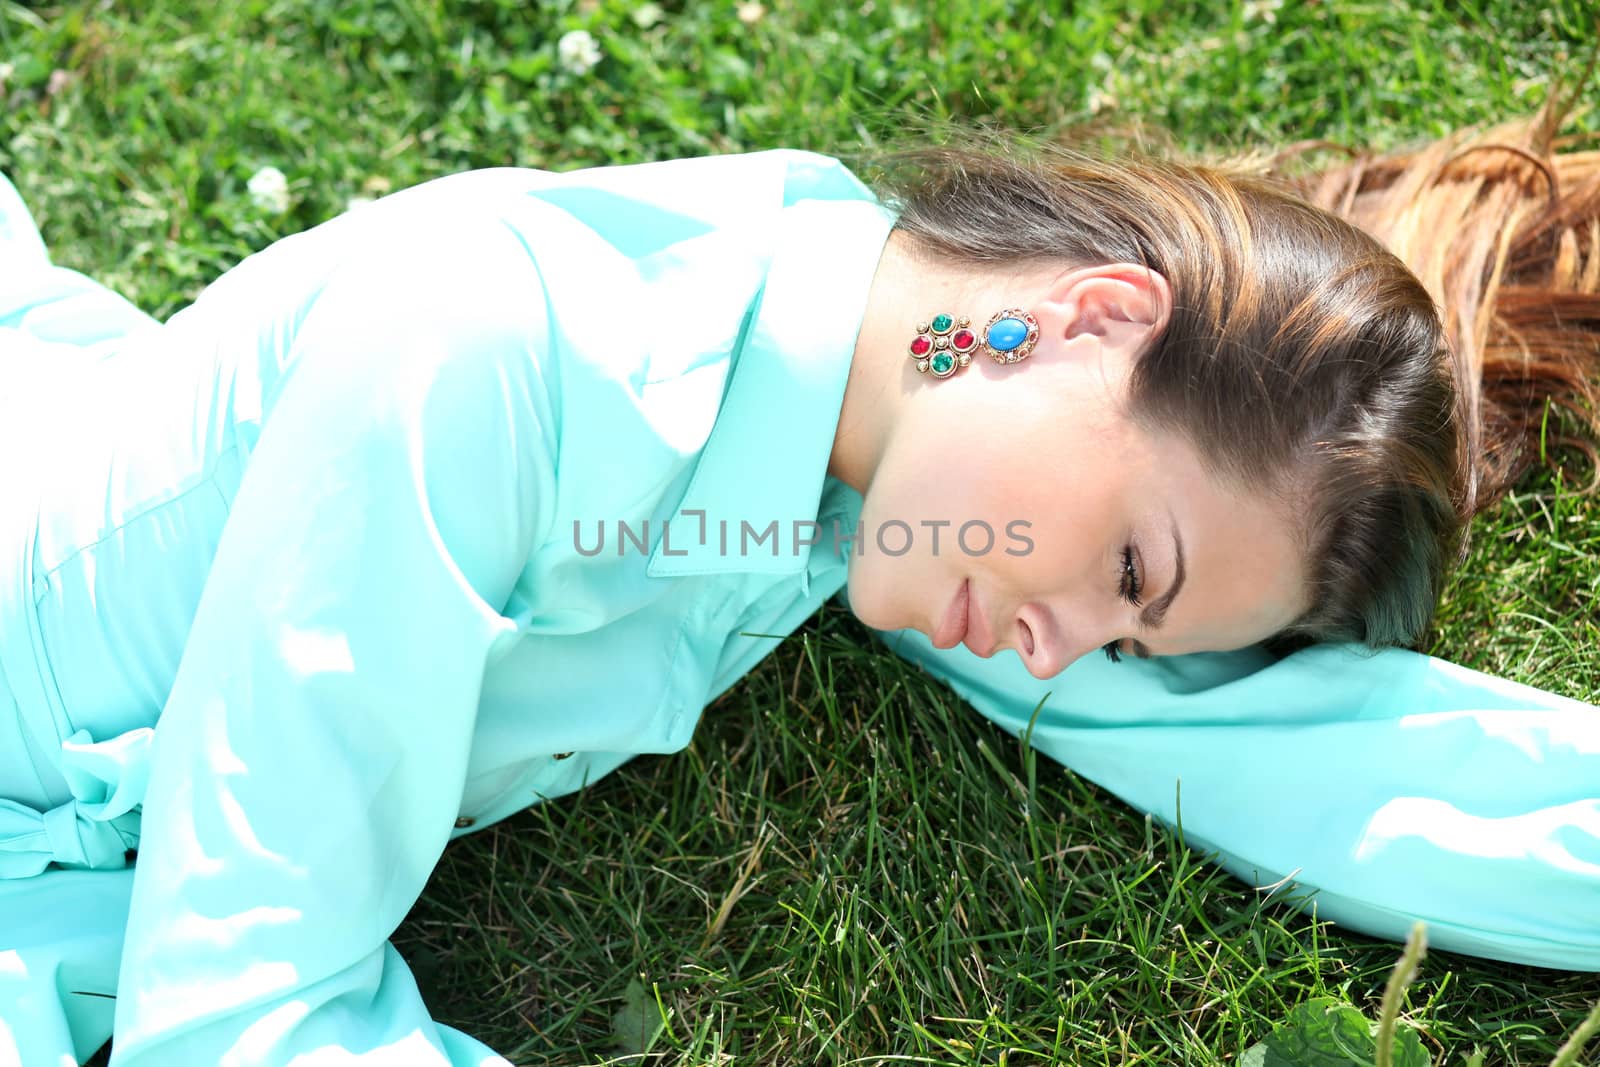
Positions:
{"x": 946, "y": 344}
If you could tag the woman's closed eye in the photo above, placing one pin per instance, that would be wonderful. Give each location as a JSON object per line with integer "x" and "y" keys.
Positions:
{"x": 1129, "y": 585}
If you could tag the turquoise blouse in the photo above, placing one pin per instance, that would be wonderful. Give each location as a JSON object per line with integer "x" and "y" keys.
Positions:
{"x": 457, "y": 502}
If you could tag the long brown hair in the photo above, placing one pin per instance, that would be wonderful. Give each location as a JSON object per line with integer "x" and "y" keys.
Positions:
{"x": 1373, "y": 343}
{"x": 1502, "y": 226}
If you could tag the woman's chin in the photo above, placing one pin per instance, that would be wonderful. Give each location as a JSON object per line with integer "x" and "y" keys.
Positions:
{"x": 871, "y": 610}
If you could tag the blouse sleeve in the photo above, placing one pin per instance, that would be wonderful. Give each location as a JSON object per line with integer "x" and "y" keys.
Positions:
{"x": 311, "y": 757}
{"x": 1376, "y": 790}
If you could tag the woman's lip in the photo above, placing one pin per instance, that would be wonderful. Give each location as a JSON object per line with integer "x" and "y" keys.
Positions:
{"x": 953, "y": 627}
{"x": 978, "y": 638}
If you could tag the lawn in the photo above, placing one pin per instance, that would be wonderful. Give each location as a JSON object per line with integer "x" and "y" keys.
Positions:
{"x": 847, "y": 865}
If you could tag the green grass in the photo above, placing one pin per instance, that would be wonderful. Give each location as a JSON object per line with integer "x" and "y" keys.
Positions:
{"x": 847, "y": 865}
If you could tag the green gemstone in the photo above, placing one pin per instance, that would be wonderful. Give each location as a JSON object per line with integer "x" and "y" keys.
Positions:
{"x": 942, "y": 323}
{"x": 943, "y": 364}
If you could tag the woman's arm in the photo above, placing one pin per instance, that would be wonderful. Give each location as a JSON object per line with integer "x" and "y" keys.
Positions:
{"x": 1388, "y": 788}
{"x": 310, "y": 759}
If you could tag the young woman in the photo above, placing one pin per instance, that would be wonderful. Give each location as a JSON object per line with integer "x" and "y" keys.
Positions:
{"x": 455, "y": 503}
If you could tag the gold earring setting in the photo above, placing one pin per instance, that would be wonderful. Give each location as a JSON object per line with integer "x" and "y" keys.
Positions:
{"x": 945, "y": 344}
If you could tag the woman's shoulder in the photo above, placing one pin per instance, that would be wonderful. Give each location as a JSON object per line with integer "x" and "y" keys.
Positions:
{"x": 635, "y": 209}
{"x": 706, "y": 189}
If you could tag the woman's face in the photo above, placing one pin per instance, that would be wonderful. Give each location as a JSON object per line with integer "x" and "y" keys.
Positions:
{"x": 1019, "y": 507}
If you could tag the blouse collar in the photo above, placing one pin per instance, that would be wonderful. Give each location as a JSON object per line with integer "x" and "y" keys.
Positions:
{"x": 767, "y": 456}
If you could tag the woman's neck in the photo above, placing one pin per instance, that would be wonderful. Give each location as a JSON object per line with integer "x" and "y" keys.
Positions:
{"x": 879, "y": 384}
{"x": 908, "y": 287}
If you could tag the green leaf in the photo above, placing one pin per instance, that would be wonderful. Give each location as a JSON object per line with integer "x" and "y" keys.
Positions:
{"x": 1408, "y": 1049}
{"x": 1321, "y": 1033}
{"x": 635, "y": 1026}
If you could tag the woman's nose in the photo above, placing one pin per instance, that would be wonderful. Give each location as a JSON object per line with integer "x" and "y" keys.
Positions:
{"x": 1044, "y": 645}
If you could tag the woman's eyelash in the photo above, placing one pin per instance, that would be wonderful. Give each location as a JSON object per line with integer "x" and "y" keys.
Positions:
{"x": 1131, "y": 585}
{"x": 1128, "y": 588}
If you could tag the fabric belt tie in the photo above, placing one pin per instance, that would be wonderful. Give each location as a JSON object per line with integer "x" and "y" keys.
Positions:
{"x": 97, "y": 827}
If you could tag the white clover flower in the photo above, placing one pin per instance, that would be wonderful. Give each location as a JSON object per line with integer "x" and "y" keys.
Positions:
{"x": 751, "y": 12}
{"x": 1101, "y": 99}
{"x": 578, "y": 51}
{"x": 647, "y": 15}
{"x": 269, "y": 191}
{"x": 1262, "y": 10}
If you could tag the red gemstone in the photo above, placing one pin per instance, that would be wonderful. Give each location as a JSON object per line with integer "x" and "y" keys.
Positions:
{"x": 963, "y": 339}
{"x": 921, "y": 346}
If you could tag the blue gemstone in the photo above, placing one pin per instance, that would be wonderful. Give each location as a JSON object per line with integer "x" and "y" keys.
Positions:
{"x": 1007, "y": 334}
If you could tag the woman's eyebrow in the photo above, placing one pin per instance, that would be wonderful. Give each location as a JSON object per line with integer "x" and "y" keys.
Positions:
{"x": 1156, "y": 613}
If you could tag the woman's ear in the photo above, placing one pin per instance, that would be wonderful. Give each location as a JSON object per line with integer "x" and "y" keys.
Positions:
{"x": 1122, "y": 304}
